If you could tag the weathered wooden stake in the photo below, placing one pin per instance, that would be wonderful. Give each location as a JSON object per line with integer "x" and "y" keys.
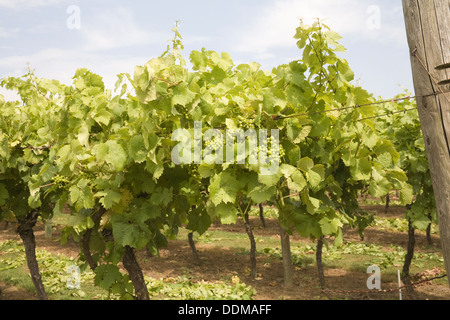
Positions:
{"x": 428, "y": 31}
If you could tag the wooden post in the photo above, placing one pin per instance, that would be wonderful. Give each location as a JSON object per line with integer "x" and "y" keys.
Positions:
{"x": 288, "y": 268}
{"x": 48, "y": 228}
{"x": 428, "y": 32}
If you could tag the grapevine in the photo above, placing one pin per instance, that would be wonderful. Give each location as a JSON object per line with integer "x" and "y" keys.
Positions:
{"x": 107, "y": 156}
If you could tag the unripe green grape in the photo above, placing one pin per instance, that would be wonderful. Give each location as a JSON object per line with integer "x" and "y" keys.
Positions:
{"x": 60, "y": 181}
{"x": 195, "y": 175}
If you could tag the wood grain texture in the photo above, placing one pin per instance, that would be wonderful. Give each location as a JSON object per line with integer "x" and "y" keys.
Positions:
{"x": 428, "y": 31}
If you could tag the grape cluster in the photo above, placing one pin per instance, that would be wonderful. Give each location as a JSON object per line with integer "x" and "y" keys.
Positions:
{"x": 183, "y": 110}
{"x": 214, "y": 144}
{"x": 245, "y": 123}
{"x": 267, "y": 150}
{"x": 194, "y": 174}
{"x": 60, "y": 181}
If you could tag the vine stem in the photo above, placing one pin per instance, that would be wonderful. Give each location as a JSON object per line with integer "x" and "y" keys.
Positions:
{"x": 87, "y": 237}
{"x": 319, "y": 262}
{"x": 47, "y": 185}
{"x": 249, "y": 231}
{"x": 134, "y": 270}
{"x": 25, "y": 229}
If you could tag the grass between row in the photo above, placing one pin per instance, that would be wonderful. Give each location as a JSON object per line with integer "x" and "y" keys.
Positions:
{"x": 352, "y": 256}
{"x": 61, "y": 283}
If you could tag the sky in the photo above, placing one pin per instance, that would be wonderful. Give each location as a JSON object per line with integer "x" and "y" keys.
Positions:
{"x": 56, "y": 37}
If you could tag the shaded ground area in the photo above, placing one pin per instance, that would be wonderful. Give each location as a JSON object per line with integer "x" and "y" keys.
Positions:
{"x": 220, "y": 263}
{"x": 10, "y": 292}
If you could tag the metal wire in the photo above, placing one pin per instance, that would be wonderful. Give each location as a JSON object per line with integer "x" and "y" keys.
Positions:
{"x": 278, "y": 117}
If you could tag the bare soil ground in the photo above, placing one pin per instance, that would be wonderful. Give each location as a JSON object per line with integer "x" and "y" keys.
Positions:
{"x": 218, "y": 263}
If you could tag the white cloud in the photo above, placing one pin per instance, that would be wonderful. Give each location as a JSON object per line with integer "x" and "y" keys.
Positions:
{"x": 21, "y": 4}
{"x": 61, "y": 65}
{"x": 8, "y": 33}
{"x": 275, "y": 25}
{"x": 115, "y": 28}
{"x": 102, "y": 33}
